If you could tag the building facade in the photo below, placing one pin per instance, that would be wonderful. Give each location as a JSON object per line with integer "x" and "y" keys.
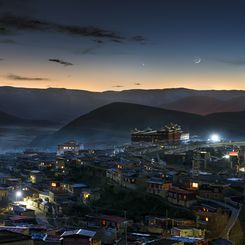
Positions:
{"x": 168, "y": 134}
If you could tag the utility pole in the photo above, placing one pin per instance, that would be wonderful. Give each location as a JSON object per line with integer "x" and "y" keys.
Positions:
{"x": 126, "y": 227}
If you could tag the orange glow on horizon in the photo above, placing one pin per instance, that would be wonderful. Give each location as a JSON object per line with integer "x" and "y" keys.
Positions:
{"x": 118, "y": 79}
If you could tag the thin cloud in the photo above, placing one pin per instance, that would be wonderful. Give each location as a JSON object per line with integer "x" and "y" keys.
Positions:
{"x": 137, "y": 84}
{"x": 117, "y": 41}
{"x": 98, "y": 41}
{"x": 90, "y": 31}
{"x": 13, "y": 24}
{"x": 90, "y": 50}
{"x": 62, "y": 62}
{"x": 118, "y": 86}
{"x": 138, "y": 38}
{"x": 23, "y": 78}
{"x": 238, "y": 62}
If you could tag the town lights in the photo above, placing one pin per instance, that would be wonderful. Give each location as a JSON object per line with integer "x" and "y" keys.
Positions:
{"x": 215, "y": 138}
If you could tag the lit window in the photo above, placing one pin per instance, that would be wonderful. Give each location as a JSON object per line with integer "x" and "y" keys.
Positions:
{"x": 53, "y": 184}
{"x": 86, "y": 195}
{"x": 195, "y": 185}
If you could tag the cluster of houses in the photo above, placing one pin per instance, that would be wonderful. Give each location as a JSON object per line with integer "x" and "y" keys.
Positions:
{"x": 36, "y": 189}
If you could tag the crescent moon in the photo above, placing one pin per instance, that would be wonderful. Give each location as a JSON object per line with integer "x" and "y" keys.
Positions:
{"x": 197, "y": 60}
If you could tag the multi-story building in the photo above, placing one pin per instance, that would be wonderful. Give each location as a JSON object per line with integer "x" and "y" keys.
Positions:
{"x": 168, "y": 134}
{"x": 72, "y": 147}
{"x": 158, "y": 186}
{"x": 188, "y": 232}
{"x": 80, "y": 236}
{"x": 36, "y": 176}
{"x": 213, "y": 191}
{"x": 3, "y": 194}
{"x": 181, "y": 197}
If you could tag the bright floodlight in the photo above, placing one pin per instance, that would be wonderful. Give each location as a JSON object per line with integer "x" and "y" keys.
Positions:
{"x": 226, "y": 156}
{"x": 215, "y": 138}
{"x": 18, "y": 194}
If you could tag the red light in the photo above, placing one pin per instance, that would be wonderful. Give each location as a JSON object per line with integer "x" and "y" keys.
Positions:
{"x": 233, "y": 153}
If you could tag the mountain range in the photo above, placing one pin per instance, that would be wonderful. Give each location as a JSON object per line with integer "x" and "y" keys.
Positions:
{"x": 111, "y": 124}
{"x": 7, "y": 120}
{"x": 63, "y": 105}
{"x": 107, "y": 117}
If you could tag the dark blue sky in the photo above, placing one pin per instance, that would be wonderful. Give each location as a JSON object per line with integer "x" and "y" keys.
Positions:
{"x": 122, "y": 44}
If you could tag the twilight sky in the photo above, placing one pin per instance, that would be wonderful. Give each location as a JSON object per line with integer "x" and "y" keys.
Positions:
{"x": 122, "y": 44}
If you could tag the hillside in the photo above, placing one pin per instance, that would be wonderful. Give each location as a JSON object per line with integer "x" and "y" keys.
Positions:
{"x": 112, "y": 124}
{"x": 197, "y": 105}
{"x": 7, "y": 120}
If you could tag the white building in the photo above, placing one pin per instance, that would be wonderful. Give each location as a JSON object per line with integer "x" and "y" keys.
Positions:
{"x": 69, "y": 147}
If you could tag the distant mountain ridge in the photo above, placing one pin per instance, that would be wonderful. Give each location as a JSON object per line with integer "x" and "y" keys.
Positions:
{"x": 63, "y": 105}
{"x": 111, "y": 124}
{"x": 8, "y": 120}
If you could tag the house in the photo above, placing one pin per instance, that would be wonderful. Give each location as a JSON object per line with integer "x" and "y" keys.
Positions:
{"x": 74, "y": 188}
{"x": 20, "y": 219}
{"x": 158, "y": 225}
{"x": 90, "y": 195}
{"x": 220, "y": 242}
{"x": 14, "y": 238}
{"x": 13, "y": 182}
{"x": 141, "y": 238}
{"x": 158, "y": 186}
{"x": 165, "y": 242}
{"x": 70, "y": 147}
{"x": 3, "y": 194}
{"x": 56, "y": 196}
{"x": 181, "y": 197}
{"x": 60, "y": 163}
{"x": 114, "y": 174}
{"x": 17, "y": 229}
{"x": 212, "y": 191}
{"x": 51, "y": 239}
{"x": 81, "y": 236}
{"x": 36, "y": 176}
{"x": 188, "y": 232}
{"x": 42, "y": 238}
{"x": 3, "y": 178}
{"x": 107, "y": 221}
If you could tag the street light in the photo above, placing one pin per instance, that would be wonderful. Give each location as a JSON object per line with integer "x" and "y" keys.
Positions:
{"x": 226, "y": 156}
{"x": 18, "y": 195}
{"x": 215, "y": 138}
